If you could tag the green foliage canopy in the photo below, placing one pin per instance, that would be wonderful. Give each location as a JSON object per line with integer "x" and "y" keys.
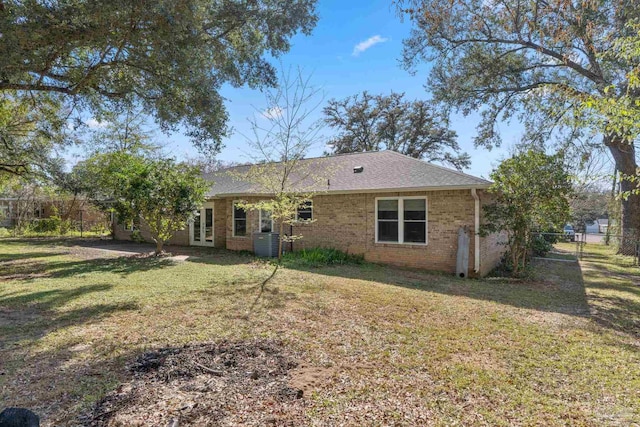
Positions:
{"x": 367, "y": 122}
{"x": 565, "y": 69}
{"x": 162, "y": 193}
{"x": 587, "y": 206}
{"x": 169, "y": 57}
{"x": 531, "y": 191}
{"x": 28, "y": 136}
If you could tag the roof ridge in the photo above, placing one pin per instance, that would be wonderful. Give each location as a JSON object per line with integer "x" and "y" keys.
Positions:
{"x": 305, "y": 159}
{"x": 434, "y": 165}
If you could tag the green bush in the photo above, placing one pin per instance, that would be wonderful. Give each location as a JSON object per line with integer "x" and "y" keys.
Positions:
{"x": 505, "y": 269}
{"x": 552, "y": 236}
{"x": 319, "y": 257}
{"x": 136, "y": 236}
{"x": 66, "y": 226}
{"x": 100, "y": 229}
{"x": 45, "y": 225}
{"x": 540, "y": 246}
{"x": 4, "y": 232}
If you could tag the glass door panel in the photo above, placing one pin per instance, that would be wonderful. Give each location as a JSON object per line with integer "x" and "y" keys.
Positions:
{"x": 208, "y": 225}
{"x": 196, "y": 228}
{"x": 201, "y": 231}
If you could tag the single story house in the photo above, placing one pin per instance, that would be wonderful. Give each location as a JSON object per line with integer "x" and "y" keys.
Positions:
{"x": 12, "y": 207}
{"x": 15, "y": 209}
{"x": 389, "y": 207}
{"x": 592, "y": 228}
{"x": 603, "y": 225}
{"x": 598, "y": 226}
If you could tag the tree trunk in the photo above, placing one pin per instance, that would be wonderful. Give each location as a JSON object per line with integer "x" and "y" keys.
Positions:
{"x": 281, "y": 230}
{"x": 66, "y": 213}
{"x": 614, "y": 184}
{"x": 625, "y": 157}
{"x": 159, "y": 246}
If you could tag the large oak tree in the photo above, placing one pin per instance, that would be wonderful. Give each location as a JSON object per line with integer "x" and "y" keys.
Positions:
{"x": 552, "y": 62}
{"x": 29, "y": 136}
{"x": 367, "y": 122}
{"x": 169, "y": 57}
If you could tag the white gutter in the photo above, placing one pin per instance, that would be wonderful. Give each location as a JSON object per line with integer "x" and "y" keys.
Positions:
{"x": 476, "y": 244}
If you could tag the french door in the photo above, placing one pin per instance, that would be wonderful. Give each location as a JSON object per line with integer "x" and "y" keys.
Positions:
{"x": 201, "y": 228}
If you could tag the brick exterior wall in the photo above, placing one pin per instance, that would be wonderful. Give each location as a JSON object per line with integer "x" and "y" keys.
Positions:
{"x": 180, "y": 238}
{"x": 492, "y": 247}
{"x": 347, "y": 222}
{"x": 241, "y": 243}
{"x": 220, "y": 223}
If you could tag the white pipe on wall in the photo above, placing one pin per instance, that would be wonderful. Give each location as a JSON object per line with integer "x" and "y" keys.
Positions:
{"x": 476, "y": 230}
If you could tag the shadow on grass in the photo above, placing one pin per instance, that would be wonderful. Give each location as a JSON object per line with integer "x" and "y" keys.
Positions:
{"x": 613, "y": 285}
{"x": 617, "y": 313}
{"x": 124, "y": 266}
{"x": 50, "y": 240}
{"x": 29, "y": 316}
{"x": 250, "y": 294}
{"x": 45, "y": 300}
{"x": 27, "y": 255}
{"x": 28, "y": 370}
{"x": 601, "y": 290}
{"x": 602, "y": 278}
{"x": 217, "y": 257}
{"x": 563, "y": 294}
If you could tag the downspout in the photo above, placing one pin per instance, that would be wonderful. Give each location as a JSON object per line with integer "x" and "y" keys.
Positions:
{"x": 476, "y": 241}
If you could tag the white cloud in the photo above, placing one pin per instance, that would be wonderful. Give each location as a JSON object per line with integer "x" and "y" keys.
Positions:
{"x": 94, "y": 124}
{"x": 272, "y": 113}
{"x": 370, "y": 42}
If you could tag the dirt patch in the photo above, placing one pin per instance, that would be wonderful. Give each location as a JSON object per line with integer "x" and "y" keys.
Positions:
{"x": 309, "y": 378}
{"x": 223, "y": 384}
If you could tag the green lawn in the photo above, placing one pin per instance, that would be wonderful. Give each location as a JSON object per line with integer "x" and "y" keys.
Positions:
{"x": 405, "y": 347}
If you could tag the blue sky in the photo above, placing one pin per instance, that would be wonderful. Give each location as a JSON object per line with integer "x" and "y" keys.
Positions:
{"x": 328, "y": 54}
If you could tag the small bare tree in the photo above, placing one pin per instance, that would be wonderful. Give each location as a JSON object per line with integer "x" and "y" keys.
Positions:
{"x": 281, "y": 135}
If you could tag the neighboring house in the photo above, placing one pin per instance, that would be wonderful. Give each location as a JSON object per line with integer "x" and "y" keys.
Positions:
{"x": 603, "y": 224}
{"x": 386, "y": 206}
{"x": 598, "y": 226}
{"x": 12, "y": 209}
{"x": 11, "y": 206}
{"x": 592, "y": 228}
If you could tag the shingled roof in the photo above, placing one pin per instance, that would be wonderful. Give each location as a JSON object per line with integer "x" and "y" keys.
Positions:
{"x": 381, "y": 171}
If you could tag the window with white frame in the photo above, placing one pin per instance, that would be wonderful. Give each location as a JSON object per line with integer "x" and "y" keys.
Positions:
{"x": 305, "y": 211}
{"x": 401, "y": 220}
{"x": 129, "y": 225}
{"x": 239, "y": 221}
{"x": 266, "y": 222}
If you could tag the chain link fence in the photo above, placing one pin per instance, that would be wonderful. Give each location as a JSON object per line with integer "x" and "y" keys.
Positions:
{"x": 625, "y": 247}
{"x": 91, "y": 225}
{"x": 572, "y": 246}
